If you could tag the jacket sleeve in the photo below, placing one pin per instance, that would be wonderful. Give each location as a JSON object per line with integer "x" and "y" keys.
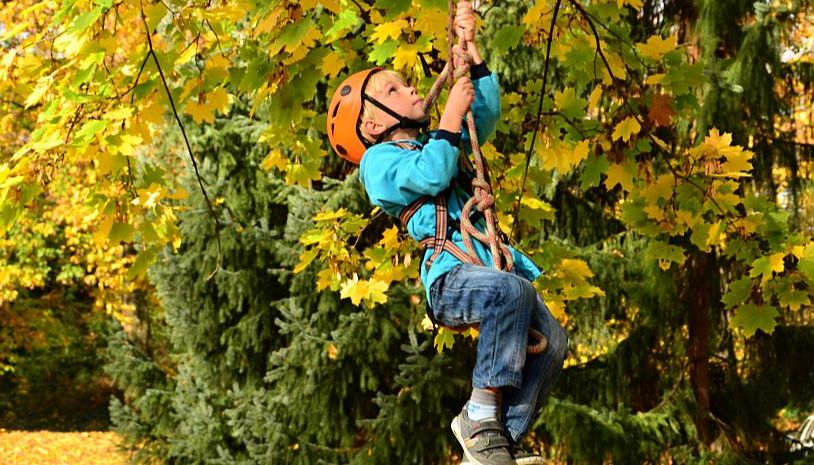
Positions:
{"x": 486, "y": 108}
{"x": 394, "y": 177}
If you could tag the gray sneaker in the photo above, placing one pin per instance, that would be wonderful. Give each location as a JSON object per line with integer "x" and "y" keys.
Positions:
{"x": 484, "y": 442}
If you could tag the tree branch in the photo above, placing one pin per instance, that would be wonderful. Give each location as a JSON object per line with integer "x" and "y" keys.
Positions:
{"x": 186, "y": 141}
{"x": 538, "y": 119}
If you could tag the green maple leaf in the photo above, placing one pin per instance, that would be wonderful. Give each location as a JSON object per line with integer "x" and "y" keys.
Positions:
{"x": 666, "y": 254}
{"x": 393, "y": 7}
{"x": 752, "y": 317}
{"x": 507, "y": 38}
{"x": 83, "y": 21}
{"x": 793, "y": 299}
{"x": 345, "y": 20}
{"x": 739, "y": 290}
{"x": 593, "y": 168}
{"x": 88, "y": 130}
{"x": 383, "y": 52}
{"x": 569, "y": 104}
{"x": 143, "y": 261}
{"x": 700, "y": 235}
{"x": 806, "y": 266}
{"x": 121, "y": 232}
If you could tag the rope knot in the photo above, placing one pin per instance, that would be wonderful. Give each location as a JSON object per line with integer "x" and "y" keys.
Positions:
{"x": 485, "y": 201}
{"x": 462, "y": 60}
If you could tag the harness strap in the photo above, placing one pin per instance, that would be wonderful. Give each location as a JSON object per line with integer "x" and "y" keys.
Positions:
{"x": 450, "y": 247}
{"x": 411, "y": 209}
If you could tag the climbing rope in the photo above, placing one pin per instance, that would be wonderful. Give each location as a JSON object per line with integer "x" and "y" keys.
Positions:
{"x": 482, "y": 198}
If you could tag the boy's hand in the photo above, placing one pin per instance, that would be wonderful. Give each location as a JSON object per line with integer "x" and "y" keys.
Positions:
{"x": 465, "y": 20}
{"x": 460, "y": 99}
{"x": 465, "y": 26}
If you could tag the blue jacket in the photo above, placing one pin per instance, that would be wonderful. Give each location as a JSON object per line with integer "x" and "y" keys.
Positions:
{"x": 394, "y": 177}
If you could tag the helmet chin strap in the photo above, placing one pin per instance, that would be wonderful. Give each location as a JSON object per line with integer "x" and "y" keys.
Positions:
{"x": 404, "y": 122}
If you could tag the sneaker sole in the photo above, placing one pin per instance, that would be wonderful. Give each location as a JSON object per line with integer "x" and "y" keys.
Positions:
{"x": 456, "y": 430}
{"x": 530, "y": 461}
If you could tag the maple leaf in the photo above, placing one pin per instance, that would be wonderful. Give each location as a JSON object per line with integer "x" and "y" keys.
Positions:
{"x": 737, "y": 293}
{"x": 621, "y": 174}
{"x": 357, "y": 290}
{"x": 575, "y": 269}
{"x": 737, "y": 164}
{"x": 569, "y": 104}
{"x": 656, "y": 47}
{"x": 391, "y": 30}
{"x": 444, "y": 338}
{"x": 390, "y": 238}
{"x": 596, "y": 94}
{"x": 406, "y": 56}
{"x": 765, "y": 266}
{"x": 275, "y": 159}
{"x": 626, "y": 128}
{"x": 751, "y": 317}
{"x": 636, "y": 4}
{"x": 661, "y": 111}
{"x": 332, "y": 64}
{"x": 432, "y": 22}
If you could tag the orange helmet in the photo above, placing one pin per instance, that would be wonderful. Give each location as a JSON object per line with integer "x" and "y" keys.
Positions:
{"x": 343, "y": 117}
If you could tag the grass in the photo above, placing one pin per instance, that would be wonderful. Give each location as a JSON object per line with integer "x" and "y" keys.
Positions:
{"x": 57, "y": 448}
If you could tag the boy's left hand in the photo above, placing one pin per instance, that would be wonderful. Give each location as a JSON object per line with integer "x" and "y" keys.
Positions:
{"x": 465, "y": 20}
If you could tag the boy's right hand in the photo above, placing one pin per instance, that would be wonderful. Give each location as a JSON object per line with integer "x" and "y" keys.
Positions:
{"x": 461, "y": 97}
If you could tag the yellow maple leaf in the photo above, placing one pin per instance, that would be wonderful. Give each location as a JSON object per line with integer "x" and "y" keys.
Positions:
{"x": 654, "y": 212}
{"x": 776, "y": 262}
{"x": 390, "y": 238}
{"x": 432, "y": 22}
{"x": 331, "y": 5}
{"x": 391, "y": 30}
{"x": 575, "y": 269}
{"x": 656, "y": 47}
{"x": 406, "y": 56}
{"x": 621, "y": 174}
{"x": 275, "y": 159}
{"x": 626, "y": 128}
{"x": 580, "y": 152}
{"x": 537, "y": 14}
{"x": 332, "y": 64}
{"x": 737, "y": 164}
{"x": 596, "y": 94}
{"x": 662, "y": 188}
{"x": 655, "y": 79}
{"x": 636, "y": 4}
{"x": 371, "y": 291}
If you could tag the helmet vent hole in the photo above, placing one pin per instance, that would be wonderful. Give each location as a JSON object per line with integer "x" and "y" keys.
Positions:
{"x": 332, "y": 128}
{"x": 345, "y": 90}
{"x": 336, "y": 110}
{"x": 341, "y": 150}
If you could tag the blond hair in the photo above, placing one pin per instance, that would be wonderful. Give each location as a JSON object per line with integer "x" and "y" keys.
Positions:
{"x": 375, "y": 84}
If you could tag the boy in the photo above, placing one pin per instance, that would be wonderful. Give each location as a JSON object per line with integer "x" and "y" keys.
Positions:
{"x": 375, "y": 119}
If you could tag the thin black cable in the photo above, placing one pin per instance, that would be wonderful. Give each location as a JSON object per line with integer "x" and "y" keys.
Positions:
{"x": 539, "y": 119}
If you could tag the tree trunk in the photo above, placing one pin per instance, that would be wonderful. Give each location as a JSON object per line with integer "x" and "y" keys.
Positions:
{"x": 696, "y": 298}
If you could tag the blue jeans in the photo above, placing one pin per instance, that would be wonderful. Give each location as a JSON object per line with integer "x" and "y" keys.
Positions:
{"x": 503, "y": 305}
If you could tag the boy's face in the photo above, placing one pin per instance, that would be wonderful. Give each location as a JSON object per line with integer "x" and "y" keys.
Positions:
{"x": 402, "y": 99}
